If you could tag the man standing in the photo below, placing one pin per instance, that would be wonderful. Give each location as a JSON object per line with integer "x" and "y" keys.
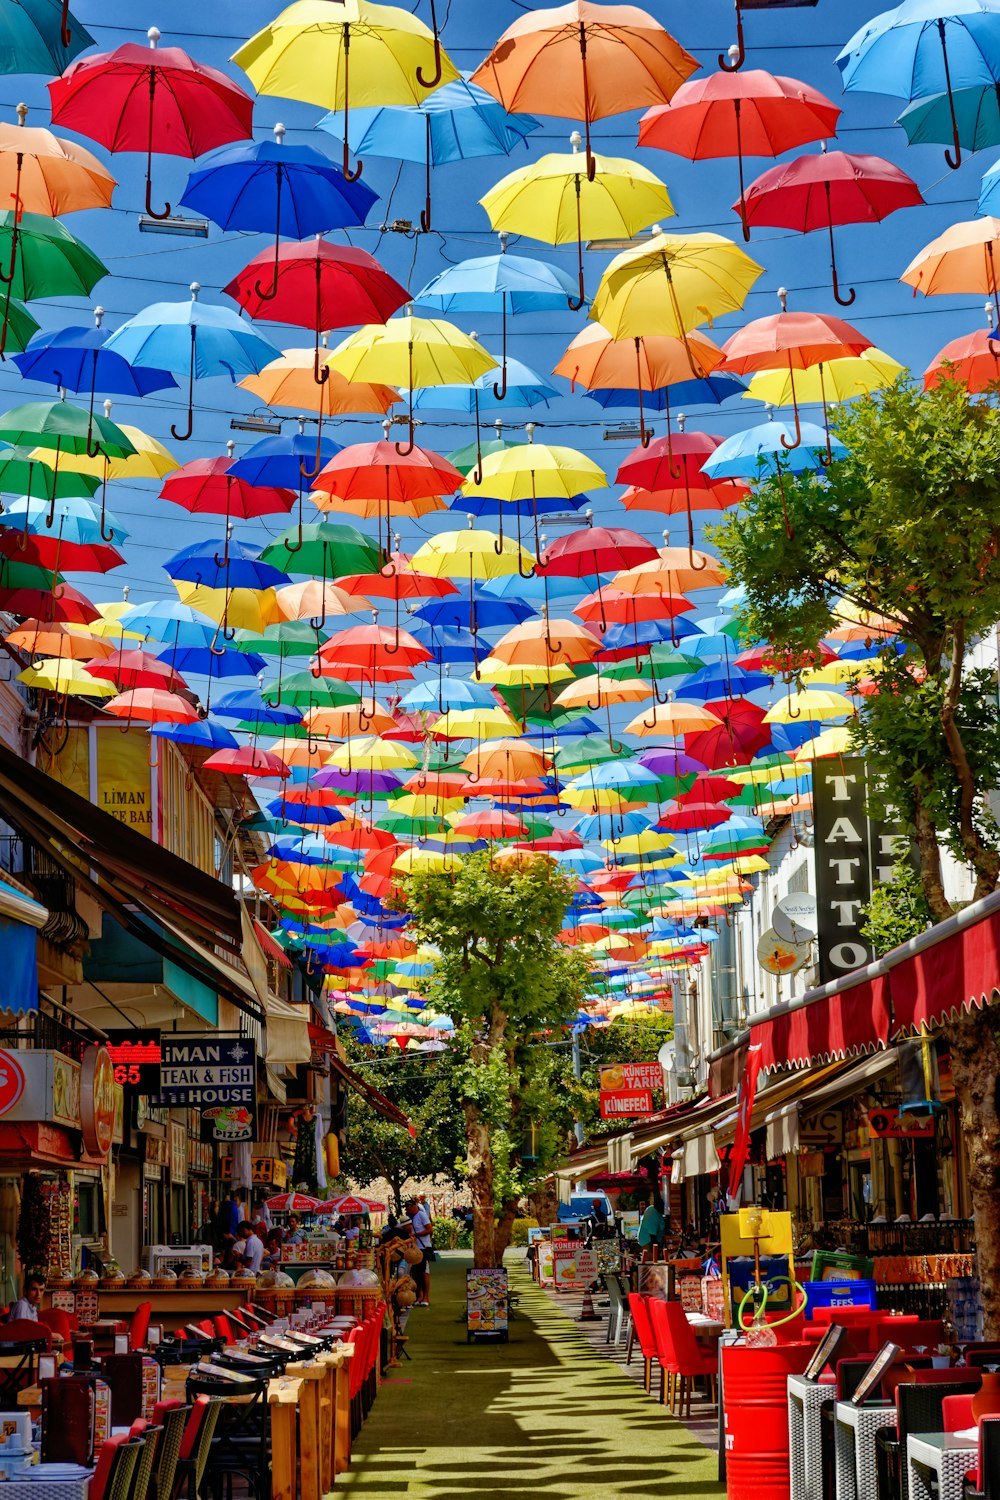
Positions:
{"x": 248, "y": 1249}
{"x": 420, "y": 1224}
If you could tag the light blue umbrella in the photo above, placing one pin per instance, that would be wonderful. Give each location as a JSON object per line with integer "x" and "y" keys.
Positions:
{"x": 76, "y": 520}
{"x": 767, "y": 449}
{"x": 208, "y": 340}
{"x": 925, "y": 48}
{"x": 171, "y": 622}
{"x": 498, "y": 283}
{"x": 453, "y": 123}
{"x": 989, "y": 193}
{"x": 525, "y": 387}
{"x": 977, "y": 115}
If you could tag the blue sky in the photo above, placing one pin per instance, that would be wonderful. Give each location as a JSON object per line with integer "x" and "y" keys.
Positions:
{"x": 145, "y": 268}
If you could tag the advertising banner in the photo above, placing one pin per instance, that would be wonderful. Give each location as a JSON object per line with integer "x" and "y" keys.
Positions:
{"x": 851, "y": 854}
{"x": 630, "y": 1089}
{"x": 486, "y": 1303}
{"x": 217, "y": 1075}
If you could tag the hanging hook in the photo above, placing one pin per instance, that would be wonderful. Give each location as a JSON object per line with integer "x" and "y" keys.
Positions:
{"x": 182, "y": 437}
{"x": 737, "y": 51}
{"x": 795, "y": 407}
{"x": 404, "y": 449}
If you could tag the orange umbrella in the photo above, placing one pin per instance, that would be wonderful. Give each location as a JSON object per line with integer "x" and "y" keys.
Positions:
{"x": 670, "y": 502}
{"x": 506, "y": 760}
{"x": 313, "y": 601}
{"x": 966, "y": 258}
{"x": 974, "y": 359}
{"x": 380, "y": 472}
{"x": 342, "y": 723}
{"x": 40, "y": 638}
{"x": 531, "y": 643}
{"x": 584, "y": 61}
{"x": 672, "y": 571}
{"x": 793, "y": 341}
{"x": 40, "y": 173}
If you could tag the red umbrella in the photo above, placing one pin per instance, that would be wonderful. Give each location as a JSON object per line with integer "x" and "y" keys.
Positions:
{"x": 595, "y": 549}
{"x": 683, "y": 817}
{"x": 706, "y": 788}
{"x": 292, "y": 1203}
{"x": 321, "y": 286}
{"x": 747, "y": 114}
{"x": 792, "y": 341}
{"x": 152, "y": 706}
{"x": 371, "y": 653}
{"x": 350, "y": 1204}
{"x": 247, "y": 760}
{"x": 735, "y": 740}
{"x": 205, "y": 487}
{"x": 63, "y": 603}
{"x": 49, "y": 550}
{"x": 377, "y": 471}
{"x": 974, "y": 359}
{"x": 833, "y": 187}
{"x": 135, "y": 669}
{"x": 669, "y": 462}
{"x": 767, "y": 658}
{"x": 144, "y": 99}
{"x": 620, "y": 608}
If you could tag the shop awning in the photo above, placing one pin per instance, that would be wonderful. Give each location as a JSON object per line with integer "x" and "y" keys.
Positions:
{"x": 323, "y": 1040}
{"x": 20, "y": 918}
{"x": 287, "y": 1031}
{"x": 783, "y": 1122}
{"x": 951, "y": 968}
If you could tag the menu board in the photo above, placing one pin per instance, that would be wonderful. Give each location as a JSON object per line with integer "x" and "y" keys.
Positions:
{"x": 544, "y": 1262}
{"x": 486, "y": 1304}
{"x": 565, "y": 1269}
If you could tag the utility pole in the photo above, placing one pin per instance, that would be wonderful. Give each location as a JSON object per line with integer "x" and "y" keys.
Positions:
{"x": 577, "y": 1073}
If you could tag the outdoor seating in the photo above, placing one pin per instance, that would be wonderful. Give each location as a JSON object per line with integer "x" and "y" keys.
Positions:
{"x": 919, "y": 1409}
{"x": 115, "y": 1469}
{"x": 173, "y": 1418}
{"x": 618, "y": 1311}
{"x": 643, "y": 1331}
{"x": 984, "y": 1482}
{"x": 241, "y": 1442}
{"x": 910, "y": 1333}
{"x": 686, "y": 1360}
{"x": 196, "y": 1442}
{"x": 23, "y": 1340}
{"x": 138, "y": 1328}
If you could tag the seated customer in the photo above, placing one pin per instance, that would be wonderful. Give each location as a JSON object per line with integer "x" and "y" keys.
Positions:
{"x": 27, "y": 1306}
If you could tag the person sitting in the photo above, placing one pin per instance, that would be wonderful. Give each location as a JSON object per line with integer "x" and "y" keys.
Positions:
{"x": 26, "y": 1306}
{"x": 272, "y": 1250}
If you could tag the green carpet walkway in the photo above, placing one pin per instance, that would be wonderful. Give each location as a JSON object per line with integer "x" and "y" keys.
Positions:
{"x": 541, "y": 1416}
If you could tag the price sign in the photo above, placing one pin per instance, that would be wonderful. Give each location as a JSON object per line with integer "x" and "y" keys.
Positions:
{"x": 136, "y": 1056}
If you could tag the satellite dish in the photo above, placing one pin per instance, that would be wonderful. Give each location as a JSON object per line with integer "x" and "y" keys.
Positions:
{"x": 795, "y": 919}
{"x": 778, "y": 957}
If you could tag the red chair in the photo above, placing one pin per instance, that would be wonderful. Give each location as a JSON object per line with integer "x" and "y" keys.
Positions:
{"x": 689, "y": 1360}
{"x": 956, "y": 1413}
{"x": 162, "y": 1407}
{"x": 138, "y": 1328}
{"x": 106, "y": 1461}
{"x": 910, "y": 1333}
{"x": 63, "y": 1324}
{"x": 223, "y": 1327}
{"x": 643, "y": 1330}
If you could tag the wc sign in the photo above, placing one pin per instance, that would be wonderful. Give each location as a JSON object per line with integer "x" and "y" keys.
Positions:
{"x": 852, "y": 854}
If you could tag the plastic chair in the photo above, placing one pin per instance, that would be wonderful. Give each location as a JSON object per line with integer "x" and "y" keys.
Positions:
{"x": 63, "y": 1324}
{"x": 27, "y": 1339}
{"x": 151, "y": 1438}
{"x": 196, "y": 1443}
{"x": 643, "y": 1329}
{"x": 618, "y": 1310}
{"x": 924, "y": 1333}
{"x": 138, "y": 1328}
{"x": 688, "y": 1361}
{"x": 984, "y": 1482}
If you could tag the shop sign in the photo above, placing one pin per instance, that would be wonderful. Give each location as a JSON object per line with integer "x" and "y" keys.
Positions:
{"x": 851, "y": 854}
{"x": 157, "y": 1152}
{"x": 217, "y": 1075}
{"x": 623, "y": 1103}
{"x": 98, "y": 1102}
{"x": 178, "y": 1152}
{"x": 265, "y": 1171}
{"x": 646, "y": 1075}
{"x": 825, "y": 1127}
{"x": 11, "y": 1081}
{"x": 65, "y": 1090}
{"x": 136, "y": 1056}
{"x": 886, "y": 1124}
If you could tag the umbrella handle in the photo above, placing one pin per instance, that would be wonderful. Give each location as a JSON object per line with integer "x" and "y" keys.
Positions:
{"x": 272, "y": 291}
{"x": 150, "y": 210}
{"x": 432, "y": 83}
{"x": 739, "y": 157}
{"x": 826, "y": 459}
{"x": 64, "y": 32}
{"x": 500, "y": 387}
{"x": 844, "y": 301}
{"x": 425, "y": 212}
{"x": 182, "y": 437}
{"x": 312, "y": 473}
{"x": 645, "y": 433}
{"x": 321, "y": 376}
{"x": 8, "y": 276}
{"x": 403, "y": 449}
{"x": 795, "y": 407}
{"x": 955, "y": 161}
{"x": 351, "y": 175}
{"x": 741, "y": 51}
{"x": 298, "y": 545}
{"x": 315, "y": 670}
{"x": 213, "y": 645}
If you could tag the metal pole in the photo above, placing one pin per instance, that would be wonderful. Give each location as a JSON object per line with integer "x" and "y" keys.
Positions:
{"x": 577, "y": 1073}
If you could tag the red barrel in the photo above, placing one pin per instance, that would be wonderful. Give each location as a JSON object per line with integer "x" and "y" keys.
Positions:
{"x": 755, "y": 1394}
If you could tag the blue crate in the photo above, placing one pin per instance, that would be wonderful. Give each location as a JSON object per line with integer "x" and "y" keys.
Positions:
{"x": 839, "y": 1294}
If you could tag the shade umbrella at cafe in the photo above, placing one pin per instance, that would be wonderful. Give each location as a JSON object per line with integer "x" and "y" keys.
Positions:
{"x": 584, "y": 61}
{"x": 292, "y": 1203}
{"x": 750, "y": 113}
{"x": 198, "y": 337}
{"x": 356, "y": 53}
{"x": 555, "y": 199}
{"x": 151, "y": 99}
{"x": 832, "y": 187}
{"x": 349, "y": 1203}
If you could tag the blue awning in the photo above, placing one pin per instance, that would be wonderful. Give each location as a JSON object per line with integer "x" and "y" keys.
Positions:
{"x": 20, "y": 917}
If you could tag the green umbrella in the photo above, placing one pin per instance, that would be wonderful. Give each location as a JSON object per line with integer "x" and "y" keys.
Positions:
{"x": 23, "y": 471}
{"x": 39, "y": 36}
{"x": 63, "y": 428}
{"x": 22, "y": 575}
{"x": 589, "y": 750}
{"x": 20, "y": 327}
{"x": 43, "y": 260}
{"x": 290, "y": 638}
{"x": 465, "y": 459}
{"x": 328, "y": 549}
{"x": 303, "y": 690}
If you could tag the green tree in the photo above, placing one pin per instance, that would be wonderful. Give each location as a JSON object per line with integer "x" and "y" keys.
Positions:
{"x": 506, "y": 981}
{"x": 906, "y": 529}
{"x": 422, "y": 1085}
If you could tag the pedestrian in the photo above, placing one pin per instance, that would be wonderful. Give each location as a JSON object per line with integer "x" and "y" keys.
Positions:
{"x": 651, "y": 1230}
{"x": 272, "y": 1250}
{"x": 296, "y": 1234}
{"x": 248, "y": 1249}
{"x": 420, "y": 1225}
{"x": 26, "y": 1305}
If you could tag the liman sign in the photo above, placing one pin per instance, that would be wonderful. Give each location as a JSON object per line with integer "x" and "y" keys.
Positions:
{"x": 216, "y": 1075}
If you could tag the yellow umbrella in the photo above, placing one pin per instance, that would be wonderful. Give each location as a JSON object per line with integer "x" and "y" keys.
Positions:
{"x": 474, "y": 724}
{"x": 555, "y": 200}
{"x": 835, "y": 741}
{"x": 248, "y": 609}
{"x": 527, "y": 470}
{"x": 811, "y": 703}
{"x": 836, "y": 380}
{"x": 432, "y": 861}
{"x": 673, "y": 719}
{"x": 58, "y": 674}
{"x": 373, "y": 754}
{"x": 835, "y": 672}
{"x": 597, "y": 799}
{"x": 473, "y": 553}
{"x": 352, "y": 52}
{"x": 411, "y": 351}
{"x": 151, "y": 460}
{"x": 672, "y": 284}
{"x": 512, "y": 674}
{"x": 110, "y": 623}
{"x": 425, "y": 805}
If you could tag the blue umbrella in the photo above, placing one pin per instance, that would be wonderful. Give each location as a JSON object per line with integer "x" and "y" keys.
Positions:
{"x": 453, "y": 123}
{"x": 249, "y": 703}
{"x": 429, "y": 697}
{"x": 708, "y": 390}
{"x": 488, "y": 505}
{"x": 977, "y": 114}
{"x": 169, "y": 620}
{"x": 278, "y": 460}
{"x": 457, "y": 611}
{"x": 269, "y": 187}
{"x": 206, "y": 662}
{"x": 208, "y": 340}
{"x": 202, "y": 732}
{"x": 241, "y": 568}
{"x": 767, "y": 448}
{"x": 510, "y": 283}
{"x": 76, "y": 520}
{"x": 78, "y": 359}
{"x": 925, "y": 48}
{"x": 989, "y": 193}
{"x": 524, "y": 388}
{"x": 446, "y": 644}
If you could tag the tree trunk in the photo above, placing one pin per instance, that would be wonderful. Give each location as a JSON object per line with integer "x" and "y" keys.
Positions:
{"x": 975, "y": 1065}
{"x": 479, "y": 1156}
{"x": 504, "y": 1229}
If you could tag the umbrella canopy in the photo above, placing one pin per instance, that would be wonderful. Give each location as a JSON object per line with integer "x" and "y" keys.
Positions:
{"x": 559, "y": 200}
{"x": 43, "y": 174}
{"x": 672, "y": 284}
{"x": 585, "y": 61}
{"x": 834, "y": 187}
{"x": 151, "y": 99}
{"x": 40, "y": 36}
{"x": 43, "y": 260}
{"x": 362, "y": 54}
{"x": 965, "y": 258}
{"x": 458, "y": 121}
{"x": 204, "y": 339}
{"x": 291, "y": 1203}
{"x": 974, "y": 359}
{"x": 739, "y": 114}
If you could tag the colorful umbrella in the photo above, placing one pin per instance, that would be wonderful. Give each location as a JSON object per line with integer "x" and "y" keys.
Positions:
{"x": 36, "y": 37}
{"x": 584, "y": 61}
{"x": 377, "y": 471}
{"x": 143, "y": 99}
{"x": 43, "y": 174}
{"x": 363, "y": 53}
{"x": 557, "y": 199}
{"x": 672, "y": 284}
{"x": 43, "y": 260}
{"x": 816, "y": 192}
{"x": 749, "y": 114}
